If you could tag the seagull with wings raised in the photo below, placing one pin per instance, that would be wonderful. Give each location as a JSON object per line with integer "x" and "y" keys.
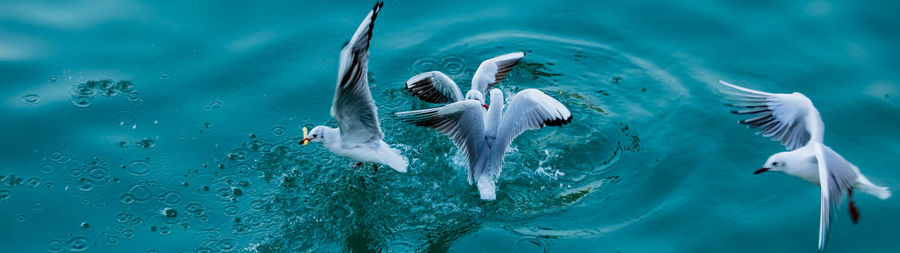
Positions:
{"x": 483, "y": 137}
{"x": 358, "y": 135}
{"x": 793, "y": 120}
{"x": 436, "y": 87}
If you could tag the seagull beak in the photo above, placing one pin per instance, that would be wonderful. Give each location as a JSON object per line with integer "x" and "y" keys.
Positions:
{"x": 761, "y": 170}
{"x": 485, "y": 106}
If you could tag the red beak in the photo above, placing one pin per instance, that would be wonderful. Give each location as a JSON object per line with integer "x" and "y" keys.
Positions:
{"x": 304, "y": 139}
{"x": 485, "y": 106}
{"x": 761, "y": 171}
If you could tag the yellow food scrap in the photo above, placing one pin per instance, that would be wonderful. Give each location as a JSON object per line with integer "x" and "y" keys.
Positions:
{"x": 304, "y": 136}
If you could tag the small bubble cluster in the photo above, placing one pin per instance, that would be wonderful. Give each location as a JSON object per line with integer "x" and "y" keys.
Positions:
{"x": 83, "y": 94}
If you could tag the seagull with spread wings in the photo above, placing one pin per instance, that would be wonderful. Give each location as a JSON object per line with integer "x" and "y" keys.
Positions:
{"x": 359, "y": 134}
{"x": 793, "y": 120}
{"x": 483, "y": 137}
{"x": 436, "y": 87}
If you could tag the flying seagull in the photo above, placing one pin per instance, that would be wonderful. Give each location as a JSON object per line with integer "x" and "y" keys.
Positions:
{"x": 793, "y": 120}
{"x": 359, "y": 134}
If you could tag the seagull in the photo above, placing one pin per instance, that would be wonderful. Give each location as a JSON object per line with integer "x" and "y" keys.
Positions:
{"x": 793, "y": 120}
{"x": 483, "y": 137}
{"x": 359, "y": 134}
{"x": 436, "y": 87}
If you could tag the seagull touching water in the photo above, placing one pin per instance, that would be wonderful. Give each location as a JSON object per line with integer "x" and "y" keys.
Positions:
{"x": 794, "y": 121}
{"x": 483, "y": 139}
{"x": 358, "y": 135}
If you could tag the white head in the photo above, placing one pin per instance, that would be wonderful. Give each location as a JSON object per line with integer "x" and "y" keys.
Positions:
{"x": 476, "y": 95}
{"x": 317, "y": 134}
{"x": 788, "y": 162}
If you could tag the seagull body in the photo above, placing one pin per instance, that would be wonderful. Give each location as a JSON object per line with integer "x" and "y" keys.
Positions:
{"x": 793, "y": 120}
{"x": 436, "y": 87}
{"x": 359, "y": 134}
{"x": 484, "y": 136}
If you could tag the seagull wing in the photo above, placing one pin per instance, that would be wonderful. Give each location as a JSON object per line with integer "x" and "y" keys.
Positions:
{"x": 529, "y": 109}
{"x": 462, "y": 121}
{"x": 836, "y": 176}
{"x": 789, "y": 118}
{"x": 353, "y": 107}
{"x": 434, "y": 87}
{"x": 493, "y": 70}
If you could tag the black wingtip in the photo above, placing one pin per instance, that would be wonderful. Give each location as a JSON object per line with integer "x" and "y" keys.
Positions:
{"x": 558, "y": 122}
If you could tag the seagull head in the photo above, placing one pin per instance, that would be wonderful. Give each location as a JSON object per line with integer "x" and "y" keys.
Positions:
{"x": 476, "y": 95}
{"x": 317, "y": 134}
{"x": 776, "y": 162}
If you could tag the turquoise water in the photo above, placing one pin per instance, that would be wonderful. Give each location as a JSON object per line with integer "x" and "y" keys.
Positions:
{"x": 172, "y": 126}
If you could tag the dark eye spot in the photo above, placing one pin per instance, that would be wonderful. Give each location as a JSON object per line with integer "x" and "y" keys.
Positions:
{"x": 775, "y": 163}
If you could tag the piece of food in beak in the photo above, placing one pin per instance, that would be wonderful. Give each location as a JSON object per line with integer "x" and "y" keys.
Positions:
{"x": 305, "y": 141}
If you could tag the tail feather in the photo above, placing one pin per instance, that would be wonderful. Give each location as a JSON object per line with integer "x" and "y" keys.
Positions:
{"x": 863, "y": 184}
{"x": 487, "y": 188}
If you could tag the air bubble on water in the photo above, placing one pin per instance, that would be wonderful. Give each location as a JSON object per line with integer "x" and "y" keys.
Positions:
{"x": 126, "y": 198}
{"x": 37, "y": 206}
{"x": 146, "y": 143}
{"x": 170, "y": 212}
{"x": 82, "y": 102}
{"x": 171, "y": 197}
{"x": 85, "y": 201}
{"x": 20, "y": 218}
{"x": 136, "y": 221}
{"x": 85, "y": 225}
{"x": 4, "y": 194}
{"x": 33, "y": 182}
{"x": 31, "y": 98}
{"x": 123, "y": 217}
{"x": 165, "y": 231}
{"x": 278, "y": 131}
{"x": 124, "y": 118}
{"x": 125, "y": 86}
{"x": 453, "y": 65}
{"x": 163, "y": 75}
{"x": 79, "y": 243}
{"x": 137, "y": 167}
{"x": 47, "y": 168}
{"x": 52, "y": 79}
{"x": 112, "y": 240}
{"x": 55, "y": 246}
{"x": 128, "y": 233}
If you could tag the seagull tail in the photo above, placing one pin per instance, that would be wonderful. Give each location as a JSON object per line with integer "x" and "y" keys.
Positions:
{"x": 487, "y": 188}
{"x": 863, "y": 184}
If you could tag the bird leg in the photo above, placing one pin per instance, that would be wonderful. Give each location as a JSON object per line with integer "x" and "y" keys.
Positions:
{"x": 854, "y": 213}
{"x": 376, "y": 168}
{"x": 357, "y": 165}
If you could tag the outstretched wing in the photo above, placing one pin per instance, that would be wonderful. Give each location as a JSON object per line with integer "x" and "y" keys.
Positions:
{"x": 493, "y": 70}
{"x": 789, "y": 118}
{"x": 434, "y": 87}
{"x": 836, "y": 176}
{"x": 353, "y": 107}
{"x": 529, "y": 109}
{"x": 462, "y": 121}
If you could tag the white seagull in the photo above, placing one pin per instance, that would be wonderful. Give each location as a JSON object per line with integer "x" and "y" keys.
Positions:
{"x": 358, "y": 135}
{"x": 483, "y": 139}
{"x": 794, "y": 121}
{"x": 436, "y": 87}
